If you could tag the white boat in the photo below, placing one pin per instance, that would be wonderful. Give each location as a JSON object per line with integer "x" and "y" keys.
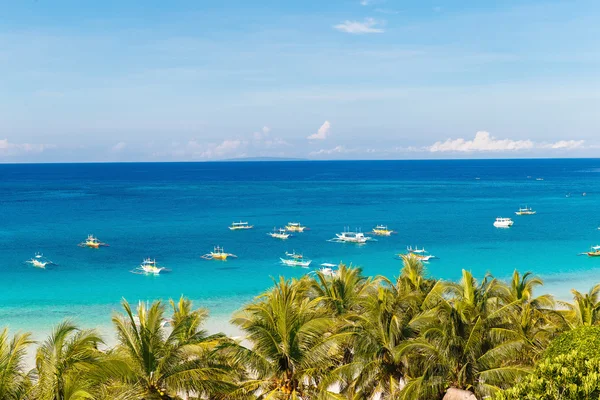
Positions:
{"x": 294, "y": 262}
{"x": 503, "y": 222}
{"x": 539, "y": 179}
{"x": 420, "y": 254}
{"x": 279, "y": 234}
{"x": 525, "y": 211}
{"x": 351, "y": 237}
{"x": 39, "y": 261}
{"x": 148, "y": 267}
{"x": 237, "y": 226}
{"x": 328, "y": 269}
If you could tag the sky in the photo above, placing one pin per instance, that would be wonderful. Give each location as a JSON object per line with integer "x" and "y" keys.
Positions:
{"x": 155, "y": 80}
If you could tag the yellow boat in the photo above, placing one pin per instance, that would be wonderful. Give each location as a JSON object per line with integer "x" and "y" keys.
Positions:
{"x": 382, "y": 230}
{"x": 92, "y": 242}
{"x": 594, "y": 252}
{"x": 295, "y": 227}
{"x": 218, "y": 254}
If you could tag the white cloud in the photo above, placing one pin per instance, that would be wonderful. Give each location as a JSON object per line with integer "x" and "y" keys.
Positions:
{"x": 259, "y": 144}
{"x": 119, "y": 147}
{"x": 365, "y": 2}
{"x": 565, "y": 144}
{"x": 262, "y": 134}
{"x": 322, "y": 133}
{"x": 324, "y": 152}
{"x": 358, "y": 28}
{"x": 484, "y": 142}
{"x": 9, "y": 148}
{"x": 227, "y": 147}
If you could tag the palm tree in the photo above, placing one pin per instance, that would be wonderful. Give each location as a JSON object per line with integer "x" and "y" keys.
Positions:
{"x": 292, "y": 342}
{"x": 384, "y": 321}
{"x": 14, "y": 382}
{"x": 456, "y": 348}
{"x": 66, "y": 363}
{"x": 534, "y": 321}
{"x": 522, "y": 286}
{"x": 159, "y": 364}
{"x": 585, "y": 310}
{"x": 341, "y": 294}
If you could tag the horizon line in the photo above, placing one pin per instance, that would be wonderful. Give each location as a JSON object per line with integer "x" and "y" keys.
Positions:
{"x": 291, "y": 160}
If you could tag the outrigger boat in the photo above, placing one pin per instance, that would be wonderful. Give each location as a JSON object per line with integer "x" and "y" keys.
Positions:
{"x": 382, "y": 230}
{"x": 295, "y": 227}
{"x": 92, "y": 242}
{"x": 279, "y": 234}
{"x": 149, "y": 267}
{"x": 525, "y": 211}
{"x": 594, "y": 252}
{"x": 351, "y": 237}
{"x": 421, "y": 254}
{"x": 503, "y": 222}
{"x": 328, "y": 269}
{"x": 39, "y": 261}
{"x": 295, "y": 260}
{"x": 238, "y": 226}
{"x": 218, "y": 253}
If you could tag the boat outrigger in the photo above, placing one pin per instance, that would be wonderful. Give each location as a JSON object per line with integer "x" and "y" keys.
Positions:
{"x": 503, "y": 222}
{"x": 295, "y": 227}
{"x": 92, "y": 242}
{"x": 39, "y": 261}
{"x": 218, "y": 253}
{"x": 148, "y": 267}
{"x": 421, "y": 254}
{"x": 525, "y": 211}
{"x": 382, "y": 230}
{"x": 295, "y": 260}
{"x": 279, "y": 234}
{"x": 238, "y": 226}
{"x": 351, "y": 237}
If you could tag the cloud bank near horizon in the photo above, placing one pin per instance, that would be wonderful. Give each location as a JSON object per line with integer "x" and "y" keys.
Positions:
{"x": 485, "y": 142}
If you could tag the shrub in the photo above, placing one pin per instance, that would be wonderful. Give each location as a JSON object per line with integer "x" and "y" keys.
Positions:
{"x": 572, "y": 376}
{"x": 585, "y": 339}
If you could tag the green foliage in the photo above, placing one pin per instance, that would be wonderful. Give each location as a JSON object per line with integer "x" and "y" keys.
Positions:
{"x": 572, "y": 376}
{"x": 14, "y": 383}
{"x": 344, "y": 336}
{"x": 585, "y": 339}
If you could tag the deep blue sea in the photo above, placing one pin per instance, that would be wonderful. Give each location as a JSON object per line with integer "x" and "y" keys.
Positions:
{"x": 176, "y": 212}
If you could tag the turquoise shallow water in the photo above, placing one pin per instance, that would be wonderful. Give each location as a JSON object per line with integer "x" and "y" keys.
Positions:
{"x": 177, "y": 212}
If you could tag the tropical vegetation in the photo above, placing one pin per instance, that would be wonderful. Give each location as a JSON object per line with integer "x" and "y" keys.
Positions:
{"x": 346, "y": 336}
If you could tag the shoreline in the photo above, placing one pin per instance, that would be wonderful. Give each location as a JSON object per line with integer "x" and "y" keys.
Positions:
{"x": 99, "y": 316}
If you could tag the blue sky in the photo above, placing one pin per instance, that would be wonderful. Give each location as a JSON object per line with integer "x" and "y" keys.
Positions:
{"x": 337, "y": 79}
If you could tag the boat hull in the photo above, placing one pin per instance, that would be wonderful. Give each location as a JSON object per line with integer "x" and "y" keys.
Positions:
{"x": 295, "y": 263}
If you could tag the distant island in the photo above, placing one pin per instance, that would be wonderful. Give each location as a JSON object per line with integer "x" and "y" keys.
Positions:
{"x": 245, "y": 159}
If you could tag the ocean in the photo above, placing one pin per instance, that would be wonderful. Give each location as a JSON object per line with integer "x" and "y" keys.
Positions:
{"x": 176, "y": 212}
